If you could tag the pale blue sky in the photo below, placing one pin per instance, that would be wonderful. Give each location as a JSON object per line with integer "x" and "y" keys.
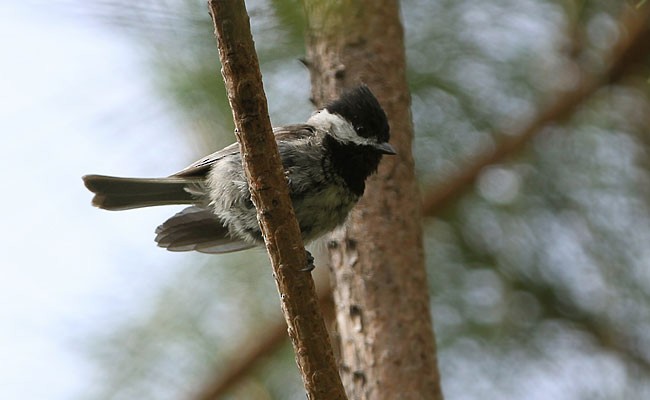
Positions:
{"x": 75, "y": 100}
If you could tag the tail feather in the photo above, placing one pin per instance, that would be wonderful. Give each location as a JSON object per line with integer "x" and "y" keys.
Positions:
{"x": 198, "y": 229}
{"x": 114, "y": 193}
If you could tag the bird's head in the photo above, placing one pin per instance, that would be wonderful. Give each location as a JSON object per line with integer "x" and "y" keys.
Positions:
{"x": 356, "y": 118}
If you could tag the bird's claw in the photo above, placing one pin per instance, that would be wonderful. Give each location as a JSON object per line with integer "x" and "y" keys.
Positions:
{"x": 310, "y": 263}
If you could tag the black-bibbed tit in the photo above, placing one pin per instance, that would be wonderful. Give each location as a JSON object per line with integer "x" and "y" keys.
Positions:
{"x": 326, "y": 161}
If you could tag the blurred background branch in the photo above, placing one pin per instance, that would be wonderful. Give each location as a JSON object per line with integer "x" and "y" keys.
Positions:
{"x": 255, "y": 349}
{"x": 622, "y": 58}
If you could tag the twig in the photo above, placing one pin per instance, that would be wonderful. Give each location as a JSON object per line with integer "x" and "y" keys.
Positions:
{"x": 270, "y": 194}
{"x": 635, "y": 35}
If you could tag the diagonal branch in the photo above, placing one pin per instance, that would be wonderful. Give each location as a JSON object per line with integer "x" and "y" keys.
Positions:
{"x": 623, "y": 56}
{"x": 270, "y": 194}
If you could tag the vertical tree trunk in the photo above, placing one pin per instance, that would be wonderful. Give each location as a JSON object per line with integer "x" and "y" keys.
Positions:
{"x": 380, "y": 288}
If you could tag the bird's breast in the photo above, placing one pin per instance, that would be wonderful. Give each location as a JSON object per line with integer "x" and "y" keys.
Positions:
{"x": 323, "y": 208}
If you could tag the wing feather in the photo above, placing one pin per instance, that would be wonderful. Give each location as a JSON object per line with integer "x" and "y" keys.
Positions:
{"x": 282, "y": 133}
{"x": 197, "y": 228}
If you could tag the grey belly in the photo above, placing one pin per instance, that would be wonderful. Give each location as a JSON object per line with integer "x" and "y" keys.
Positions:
{"x": 323, "y": 210}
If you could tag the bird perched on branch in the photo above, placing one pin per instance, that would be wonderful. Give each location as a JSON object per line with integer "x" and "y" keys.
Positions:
{"x": 326, "y": 161}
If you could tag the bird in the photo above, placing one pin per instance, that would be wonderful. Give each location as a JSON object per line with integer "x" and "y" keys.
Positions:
{"x": 326, "y": 162}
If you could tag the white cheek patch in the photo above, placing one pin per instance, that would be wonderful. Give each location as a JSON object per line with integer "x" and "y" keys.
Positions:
{"x": 339, "y": 128}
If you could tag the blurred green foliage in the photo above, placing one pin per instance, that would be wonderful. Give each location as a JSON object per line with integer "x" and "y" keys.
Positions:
{"x": 539, "y": 274}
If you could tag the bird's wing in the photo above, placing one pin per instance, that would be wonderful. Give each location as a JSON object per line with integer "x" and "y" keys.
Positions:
{"x": 197, "y": 228}
{"x": 202, "y": 166}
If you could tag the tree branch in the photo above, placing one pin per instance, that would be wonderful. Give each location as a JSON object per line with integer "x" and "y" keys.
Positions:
{"x": 270, "y": 194}
{"x": 635, "y": 33}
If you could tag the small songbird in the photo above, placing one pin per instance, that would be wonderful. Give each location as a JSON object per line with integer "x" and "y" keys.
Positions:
{"x": 326, "y": 161}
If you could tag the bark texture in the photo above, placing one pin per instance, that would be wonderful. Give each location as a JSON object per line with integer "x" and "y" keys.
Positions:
{"x": 269, "y": 192}
{"x": 380, "y": 288}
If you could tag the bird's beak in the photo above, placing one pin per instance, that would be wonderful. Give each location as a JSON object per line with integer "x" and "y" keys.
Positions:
{"x": 384, "y": 148}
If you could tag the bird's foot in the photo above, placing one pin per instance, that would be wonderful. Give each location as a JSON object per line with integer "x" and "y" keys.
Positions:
{"x": 310, "y": 262}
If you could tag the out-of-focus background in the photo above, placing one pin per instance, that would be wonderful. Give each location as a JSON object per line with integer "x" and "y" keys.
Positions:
{"x": 539, "y": 273}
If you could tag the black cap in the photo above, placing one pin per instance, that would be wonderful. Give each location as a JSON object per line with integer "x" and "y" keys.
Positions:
{"x": 361, "y": 108}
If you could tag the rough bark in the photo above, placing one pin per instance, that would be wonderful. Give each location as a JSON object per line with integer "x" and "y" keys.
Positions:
{"x": 380, "y": 288}
{"x": 269, "y": 192}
